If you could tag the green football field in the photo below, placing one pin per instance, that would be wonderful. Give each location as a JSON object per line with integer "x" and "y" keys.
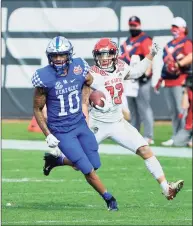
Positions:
{"x": 64, "y": 198}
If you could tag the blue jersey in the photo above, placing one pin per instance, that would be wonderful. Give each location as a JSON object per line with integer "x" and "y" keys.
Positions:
{"x": 64, "y": 94}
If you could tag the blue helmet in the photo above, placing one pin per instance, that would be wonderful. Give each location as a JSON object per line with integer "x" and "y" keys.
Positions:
{"x": 59, "y": 46}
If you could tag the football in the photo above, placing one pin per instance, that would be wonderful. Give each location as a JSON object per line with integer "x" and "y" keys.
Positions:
{"x": 95, "y": 98}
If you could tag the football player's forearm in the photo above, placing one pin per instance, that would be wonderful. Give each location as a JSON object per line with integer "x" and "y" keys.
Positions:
{"x": 38, "y": 106}
{"x": 85, "y": 112}
{"x": 149, "y": 56}
{"x": 148, "y": 71}
{"x": 138, "y": 69}
{"x": 41, "y": 121}
{"x": 45, "y": 112}
{"x": 85, "y": 101}
{"x": 187, "y": 60}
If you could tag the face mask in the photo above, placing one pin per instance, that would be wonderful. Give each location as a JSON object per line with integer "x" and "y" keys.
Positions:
{"x": 134, "y": 32}
{"x": 177, "y": 32}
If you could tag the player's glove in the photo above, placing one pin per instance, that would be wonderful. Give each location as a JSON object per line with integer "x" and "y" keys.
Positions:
{"x": 52, "y": 141}
{"x": 154, "y": 49}
{"x": 55, "y": 151}
{"x": 107, "y": 105}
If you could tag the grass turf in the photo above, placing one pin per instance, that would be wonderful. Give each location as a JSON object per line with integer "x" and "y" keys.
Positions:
{"x": 18, "y": 131}
{"x": 64, "y": 198}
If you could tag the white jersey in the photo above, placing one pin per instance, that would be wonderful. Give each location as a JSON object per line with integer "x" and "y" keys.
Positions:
{"x": 114, "y": 84}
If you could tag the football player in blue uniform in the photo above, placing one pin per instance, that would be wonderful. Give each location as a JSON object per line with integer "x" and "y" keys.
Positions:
{"x": 59, "y": 85}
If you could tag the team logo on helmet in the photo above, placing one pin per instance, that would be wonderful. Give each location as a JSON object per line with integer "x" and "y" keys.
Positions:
{"x": 77, "y": 70}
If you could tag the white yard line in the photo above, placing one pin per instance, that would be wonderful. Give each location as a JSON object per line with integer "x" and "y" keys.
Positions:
{"x": 109, "y": 149}
{"x": 35, "y": 180}
{"x": 20, "y": 180}
{"x": 52, "y": 193}
{"x": 23, "y": 180}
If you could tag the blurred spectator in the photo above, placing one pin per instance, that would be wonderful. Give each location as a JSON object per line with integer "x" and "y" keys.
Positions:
{"x": 184, "y": 136}
{"x": 177, "y": 59}
{"x": 139, "y": 44}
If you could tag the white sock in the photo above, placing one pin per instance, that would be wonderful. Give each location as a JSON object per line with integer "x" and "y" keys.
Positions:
{"x": 156, "y": 170}
{"x": 164, "y": 185}
{"x": 154, "y": 167}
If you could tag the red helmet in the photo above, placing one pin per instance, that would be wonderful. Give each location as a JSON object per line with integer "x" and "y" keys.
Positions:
{"x": 105, "y": 54}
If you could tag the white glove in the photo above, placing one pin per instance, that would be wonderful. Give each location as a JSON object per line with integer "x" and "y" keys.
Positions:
{"x": 107, "y": 105}
{"x": 154, "y": 49}
{"x": 55, "y": 151}
{"x": 52, "y": 141}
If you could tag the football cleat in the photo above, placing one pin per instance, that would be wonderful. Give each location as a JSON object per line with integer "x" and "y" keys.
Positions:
{"x": 50, "y": 163}
{"x": 174, "y": 188}
{"x": 112, "y": 204}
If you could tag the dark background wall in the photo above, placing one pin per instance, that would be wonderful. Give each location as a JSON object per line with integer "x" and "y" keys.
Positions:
{"x": 20, "y": 44}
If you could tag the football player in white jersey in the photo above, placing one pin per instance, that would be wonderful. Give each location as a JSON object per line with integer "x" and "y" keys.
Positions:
{"x": 111, "y": 123}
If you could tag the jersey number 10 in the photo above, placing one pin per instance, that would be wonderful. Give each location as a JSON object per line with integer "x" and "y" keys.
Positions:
{"x": 72, "y": 110}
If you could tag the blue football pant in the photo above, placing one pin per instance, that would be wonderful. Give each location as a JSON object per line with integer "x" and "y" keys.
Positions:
{"x": 80, "y": 147}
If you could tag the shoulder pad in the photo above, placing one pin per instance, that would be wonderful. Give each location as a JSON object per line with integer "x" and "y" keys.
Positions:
{"x": 43, "y": 77}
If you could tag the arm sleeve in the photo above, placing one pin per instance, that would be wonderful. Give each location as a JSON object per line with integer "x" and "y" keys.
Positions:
{"x": 37, "y": 81}
{"x": 138, "y": 69}
{"x": 188, "y": 47}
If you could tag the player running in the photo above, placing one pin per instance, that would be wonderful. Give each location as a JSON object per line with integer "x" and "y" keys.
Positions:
{"x": 59, "y": 86}
{"x": 111, "y": 124}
